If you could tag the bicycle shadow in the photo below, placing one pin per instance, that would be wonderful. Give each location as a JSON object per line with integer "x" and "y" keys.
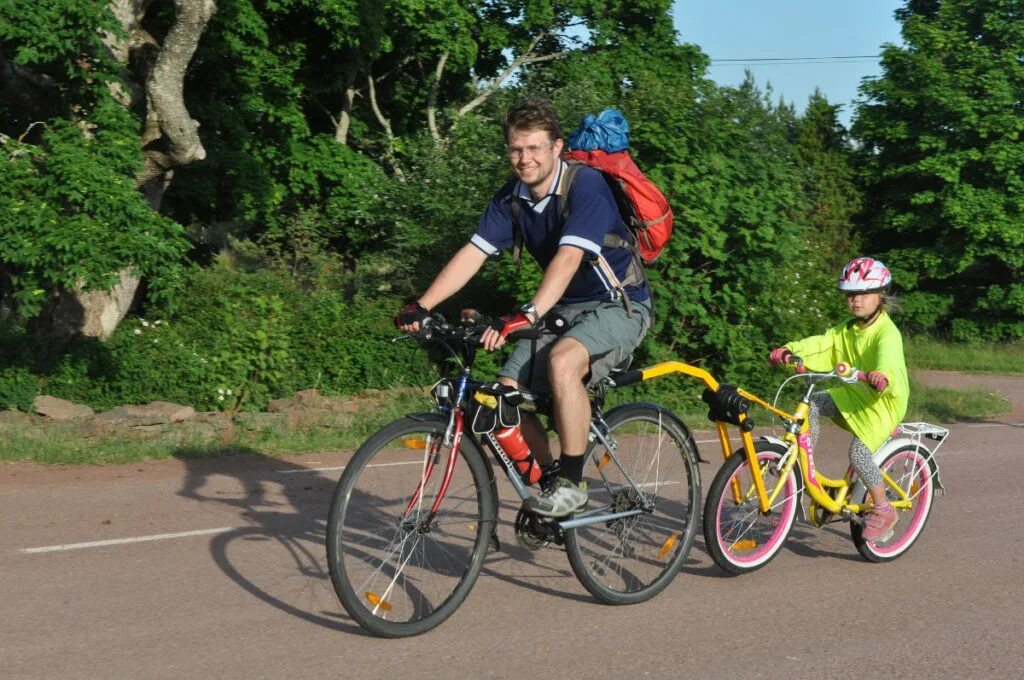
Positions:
{"x": 285, "y": 505}
{"x": 282, "y": 504}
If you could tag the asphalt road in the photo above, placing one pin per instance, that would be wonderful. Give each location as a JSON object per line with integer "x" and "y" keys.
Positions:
{"x": 216, "y": 568}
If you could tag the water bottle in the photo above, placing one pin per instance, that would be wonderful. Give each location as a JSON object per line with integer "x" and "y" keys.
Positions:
{"x": 515, "y": 447}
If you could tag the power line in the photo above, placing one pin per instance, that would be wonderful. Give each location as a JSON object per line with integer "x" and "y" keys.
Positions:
{"x": 754, "y": 60}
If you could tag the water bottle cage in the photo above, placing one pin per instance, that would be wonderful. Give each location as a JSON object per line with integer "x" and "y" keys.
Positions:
{"x": 495, "y": 406}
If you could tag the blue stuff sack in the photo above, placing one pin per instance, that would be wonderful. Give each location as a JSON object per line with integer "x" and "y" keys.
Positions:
{"x": 607, "y": 131}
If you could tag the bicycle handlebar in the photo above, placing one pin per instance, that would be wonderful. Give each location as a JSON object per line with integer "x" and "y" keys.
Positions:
{"x": 843, "y": 371}
{"x": 469, "y": 329}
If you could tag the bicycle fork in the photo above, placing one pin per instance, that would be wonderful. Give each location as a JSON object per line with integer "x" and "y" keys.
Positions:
{"x": 430, "y": 460}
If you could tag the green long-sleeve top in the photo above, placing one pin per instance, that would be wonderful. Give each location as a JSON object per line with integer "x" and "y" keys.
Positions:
{"x": 869, "y": 415}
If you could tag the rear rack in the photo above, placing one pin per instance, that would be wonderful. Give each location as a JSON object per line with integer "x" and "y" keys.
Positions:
{"x": 938, "y": 434}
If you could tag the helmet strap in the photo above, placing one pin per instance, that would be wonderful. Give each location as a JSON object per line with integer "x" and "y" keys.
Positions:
{"x": 864, "y": 323}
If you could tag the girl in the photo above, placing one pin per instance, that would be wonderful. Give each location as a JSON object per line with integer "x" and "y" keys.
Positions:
{"x": 871, "y": 342}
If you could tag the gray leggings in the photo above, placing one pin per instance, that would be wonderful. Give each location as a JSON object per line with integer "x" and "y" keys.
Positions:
{"x": 860, "y": 454}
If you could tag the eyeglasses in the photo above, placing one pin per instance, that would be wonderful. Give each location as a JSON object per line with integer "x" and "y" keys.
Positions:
{"x": 516, "y": 152}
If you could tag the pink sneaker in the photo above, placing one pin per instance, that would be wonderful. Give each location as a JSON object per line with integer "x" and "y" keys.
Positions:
{"x": 880, "y": 523}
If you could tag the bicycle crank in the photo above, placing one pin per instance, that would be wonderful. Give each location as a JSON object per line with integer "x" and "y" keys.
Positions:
{"x": 534, "y": 532}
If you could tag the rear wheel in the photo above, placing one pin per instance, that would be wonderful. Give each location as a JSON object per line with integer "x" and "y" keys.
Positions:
{"x": 398, "y": 569}
{"x": 633, "y": 558}
{"x": 908, "y": 468}
{"x": 738, "y": 535}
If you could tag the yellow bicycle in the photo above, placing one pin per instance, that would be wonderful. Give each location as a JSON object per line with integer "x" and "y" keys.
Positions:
{"x": 754, "y": 499}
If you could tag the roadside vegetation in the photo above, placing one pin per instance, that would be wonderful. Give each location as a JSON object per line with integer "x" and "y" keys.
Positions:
{"x": 251, "y": 236}
{"x": 979, "y": 357}
{"x": 57, "y": 443}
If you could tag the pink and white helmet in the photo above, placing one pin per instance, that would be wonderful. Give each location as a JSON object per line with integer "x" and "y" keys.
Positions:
{"x": 864, "y": 275}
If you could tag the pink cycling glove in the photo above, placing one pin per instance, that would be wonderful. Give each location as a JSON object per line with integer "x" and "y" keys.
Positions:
{"x": 878, "y": 381}
{"x": 779, "y": 357}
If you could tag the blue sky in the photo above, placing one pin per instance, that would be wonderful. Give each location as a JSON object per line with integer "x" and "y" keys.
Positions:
{"x": 748, "y": 29}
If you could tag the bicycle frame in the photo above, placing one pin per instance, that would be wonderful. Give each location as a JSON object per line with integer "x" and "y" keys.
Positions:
{"x": 815, "y": 483}
{"x": 456, "y": 431}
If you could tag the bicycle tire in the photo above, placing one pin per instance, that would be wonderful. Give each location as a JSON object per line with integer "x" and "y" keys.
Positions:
{"x": 739, "y": 537}
{"x": 913, "y": 473}
{"x": 632, "y": 559}
{"x": 381, "y": 562}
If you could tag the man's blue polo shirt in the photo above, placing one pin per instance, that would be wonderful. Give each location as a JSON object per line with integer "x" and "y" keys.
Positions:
{"x": 592, "y": 215}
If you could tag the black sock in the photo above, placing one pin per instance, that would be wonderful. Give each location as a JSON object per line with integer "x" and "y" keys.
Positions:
{"x": 572, "y": 467}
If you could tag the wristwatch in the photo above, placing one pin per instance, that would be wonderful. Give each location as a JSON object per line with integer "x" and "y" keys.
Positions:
{"x": 529, "y": 310}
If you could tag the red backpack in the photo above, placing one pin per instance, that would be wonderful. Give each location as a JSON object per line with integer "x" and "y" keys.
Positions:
{"x": 644, "y": 208}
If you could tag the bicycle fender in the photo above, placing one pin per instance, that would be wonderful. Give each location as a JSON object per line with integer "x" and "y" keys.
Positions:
{"x": 668, "y": 415}
{"x": 893, "y": 445}
{"x": 425, "y": 416}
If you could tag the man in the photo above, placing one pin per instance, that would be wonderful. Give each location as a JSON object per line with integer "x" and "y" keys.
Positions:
{"x": 581, "y": 283}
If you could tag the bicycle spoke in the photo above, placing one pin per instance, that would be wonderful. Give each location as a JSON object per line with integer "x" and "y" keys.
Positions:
{"x": 631, "y": 558}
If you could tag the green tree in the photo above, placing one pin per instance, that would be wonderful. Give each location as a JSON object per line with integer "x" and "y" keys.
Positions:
{"x": 942, "y": 131}
{"x": 95, "y": 116}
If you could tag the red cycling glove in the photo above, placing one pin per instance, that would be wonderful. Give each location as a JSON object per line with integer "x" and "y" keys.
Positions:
{"x": 779, "y": 357}
{"x": 878, "y": 380}
{"x": 511, "y": 323}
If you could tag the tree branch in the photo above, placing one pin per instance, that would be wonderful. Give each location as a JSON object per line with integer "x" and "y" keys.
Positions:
{"x": 341, "y": 126}
{"x": 170, "y": 138}
{"x": 526, "y": 58}
{"x": 389, "y": 152}
{"x": 435, "y": 86}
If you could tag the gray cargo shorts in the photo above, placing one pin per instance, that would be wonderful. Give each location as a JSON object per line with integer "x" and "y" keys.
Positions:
{"x": 603, "y": 327}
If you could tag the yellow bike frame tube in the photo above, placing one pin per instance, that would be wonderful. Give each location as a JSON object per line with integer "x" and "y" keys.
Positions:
{"x": 784, "y": 474}
{"x": 765, "y": 405}
{"x": 755, "y": 466}
{"x": 668, "y": 367}
{"x": 723, "y": 437}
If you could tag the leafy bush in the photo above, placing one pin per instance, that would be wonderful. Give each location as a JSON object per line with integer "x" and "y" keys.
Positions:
{"x": 236, "y": 341}
{"x": 18, "y": 388}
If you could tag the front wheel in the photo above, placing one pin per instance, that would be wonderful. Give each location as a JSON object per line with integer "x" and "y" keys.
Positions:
{"x": 633, "y": 558}
{"x": 908, "y": 468}
{"x": 738, "y": 535}
{"x": 397, "y": 568}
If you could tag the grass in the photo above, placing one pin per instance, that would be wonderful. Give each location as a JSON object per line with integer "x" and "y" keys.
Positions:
{"x": 927, "y": 353}
{"x": 62, "y": 444}
{"x": 944, "y": 405}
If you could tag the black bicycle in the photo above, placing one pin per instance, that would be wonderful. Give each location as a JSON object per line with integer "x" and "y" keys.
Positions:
{"x": 416, "y": 509}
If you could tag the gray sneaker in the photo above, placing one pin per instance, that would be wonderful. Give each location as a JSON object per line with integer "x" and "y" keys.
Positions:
{"x": 561, "y": 499}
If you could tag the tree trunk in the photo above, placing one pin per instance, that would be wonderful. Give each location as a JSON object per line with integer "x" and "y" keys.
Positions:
{"x": 170, "y": 139}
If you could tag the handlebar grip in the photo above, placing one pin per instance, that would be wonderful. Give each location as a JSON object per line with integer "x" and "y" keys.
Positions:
{"x": 845, "y": 370}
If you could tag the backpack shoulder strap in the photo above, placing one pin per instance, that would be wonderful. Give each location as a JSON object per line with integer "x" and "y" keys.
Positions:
{"x": 517, "y": 230}
{"x": 568, "y": 177}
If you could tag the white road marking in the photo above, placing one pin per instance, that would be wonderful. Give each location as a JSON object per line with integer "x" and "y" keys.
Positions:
{"x": 119, "y": 541}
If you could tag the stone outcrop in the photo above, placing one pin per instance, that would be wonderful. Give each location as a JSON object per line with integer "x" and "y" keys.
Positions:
{"x": 61, "y": 409}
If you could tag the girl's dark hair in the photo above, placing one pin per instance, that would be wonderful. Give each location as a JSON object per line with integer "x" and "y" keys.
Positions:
{"x": 533, "y": 113}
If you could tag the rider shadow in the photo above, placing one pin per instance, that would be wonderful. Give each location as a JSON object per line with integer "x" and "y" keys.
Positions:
{"x": 292, "y": 518}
